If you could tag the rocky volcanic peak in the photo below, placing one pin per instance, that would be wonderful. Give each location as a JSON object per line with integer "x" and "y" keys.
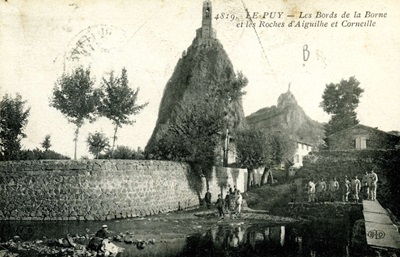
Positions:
{"x": 289, "y": 118}
{"x": 205, "y": 61}
{"x": 286, "y": 99}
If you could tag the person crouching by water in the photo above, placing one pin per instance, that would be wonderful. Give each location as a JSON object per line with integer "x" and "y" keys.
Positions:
{"x": 103, "y": 232}
{"x": 220, "y": 206}
{"x": 96, "y": 242}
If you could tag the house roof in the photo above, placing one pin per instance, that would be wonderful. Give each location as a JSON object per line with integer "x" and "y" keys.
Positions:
{"x": 302, "y": 142}
{"x": 363, "y": 127}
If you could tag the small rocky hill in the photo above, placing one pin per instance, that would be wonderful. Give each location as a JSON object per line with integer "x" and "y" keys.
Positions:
{"x": 287, "y": 117}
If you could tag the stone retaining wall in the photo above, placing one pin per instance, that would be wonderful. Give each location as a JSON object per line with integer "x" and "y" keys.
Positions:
{"x": 96, "y": 189}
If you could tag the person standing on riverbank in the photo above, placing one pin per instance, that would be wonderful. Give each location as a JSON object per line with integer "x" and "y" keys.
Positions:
{"x": 345, "y": 189}
{"x": 232, "y": 199}
{"x": 373, "y": 185}
{"x": 311, "y": 191}
{"x": 320, "y": 189}
{"x": 356, "y": 188}
{"x": 238, "y": 202}
{"x": 333, "y": 188}
{"x": 228, "y": 202}
{"x": 230, "y": 190}
{"x": 293, "y": 191}
{"x": 207, "y": 199}
{"x": 220, "y": 206}
{"x": 365, "y": 186}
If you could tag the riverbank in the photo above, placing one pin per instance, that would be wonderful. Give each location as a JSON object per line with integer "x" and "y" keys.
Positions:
{"x": 33, "y": 238}
{"x": 301, "y": 226}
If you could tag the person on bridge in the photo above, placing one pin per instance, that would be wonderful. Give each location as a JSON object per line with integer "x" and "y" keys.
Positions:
{"x": 373, "y": 185}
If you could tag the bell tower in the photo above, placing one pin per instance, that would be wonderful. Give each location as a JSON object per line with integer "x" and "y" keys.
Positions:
{"x": 206, "y": 31}
{"x": 206, "y": 23}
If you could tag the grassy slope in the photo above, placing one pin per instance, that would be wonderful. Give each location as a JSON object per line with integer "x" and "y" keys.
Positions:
{"x": 268, "y": 197}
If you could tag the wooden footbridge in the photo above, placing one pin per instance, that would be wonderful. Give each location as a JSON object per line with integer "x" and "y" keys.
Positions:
{"x": 379, "y": 229}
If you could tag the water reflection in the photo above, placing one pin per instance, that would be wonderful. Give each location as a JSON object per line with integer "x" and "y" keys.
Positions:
{"x": 260, "y": 240}
{"x": 323, "y": 238}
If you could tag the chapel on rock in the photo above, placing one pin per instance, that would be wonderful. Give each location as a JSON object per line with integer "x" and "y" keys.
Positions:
{"x": 206, "y": 34}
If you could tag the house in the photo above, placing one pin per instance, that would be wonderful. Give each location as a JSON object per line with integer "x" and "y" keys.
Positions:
{"x": 302, "y": 150}
{"x": 361, "y": 137}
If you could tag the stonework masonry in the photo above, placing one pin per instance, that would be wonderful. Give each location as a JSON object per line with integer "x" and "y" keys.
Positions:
{"x": 101, "y": 189}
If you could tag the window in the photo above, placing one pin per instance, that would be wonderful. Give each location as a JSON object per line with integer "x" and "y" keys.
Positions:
{"x": 361, "y": 143}
{"x": 208, "y": 12}
{"x": 296, "y": 159}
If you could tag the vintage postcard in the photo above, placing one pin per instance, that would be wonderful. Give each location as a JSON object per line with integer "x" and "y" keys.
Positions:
{"x": 281, "y": 47}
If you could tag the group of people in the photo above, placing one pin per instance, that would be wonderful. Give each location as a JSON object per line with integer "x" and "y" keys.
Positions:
{"x": 231, "y": 204}
{"x": 345, "y": 190}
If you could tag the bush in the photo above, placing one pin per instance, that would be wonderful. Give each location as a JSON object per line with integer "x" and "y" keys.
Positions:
{"x": 37, "y": 154}
{"x": 123, "y": 152}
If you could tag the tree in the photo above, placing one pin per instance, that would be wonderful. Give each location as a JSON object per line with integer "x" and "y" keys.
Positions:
{"x": 281, "y": 148}
{"x": 193, "y": 134}
{"x": 252, "y": 151}
{"x": 257, "y": 149}
{"x": 196, "y": 129}
{"x": 13, "y": 119}
{"x": 97, "y": 143}
{"x": 46, "y": 143}
{"x": 75, "y": 98}
{"x": 230, "y": 93}
{"x": 340, "y": 100}
{"x": 118, "y": 102}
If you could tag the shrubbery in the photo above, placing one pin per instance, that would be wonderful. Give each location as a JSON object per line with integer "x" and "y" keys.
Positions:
{"x": 123, "y": 152}
{"x": 37, "y": 154}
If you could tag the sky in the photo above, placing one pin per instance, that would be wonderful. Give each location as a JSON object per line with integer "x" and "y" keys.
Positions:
{"x": 39, "y": 39}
